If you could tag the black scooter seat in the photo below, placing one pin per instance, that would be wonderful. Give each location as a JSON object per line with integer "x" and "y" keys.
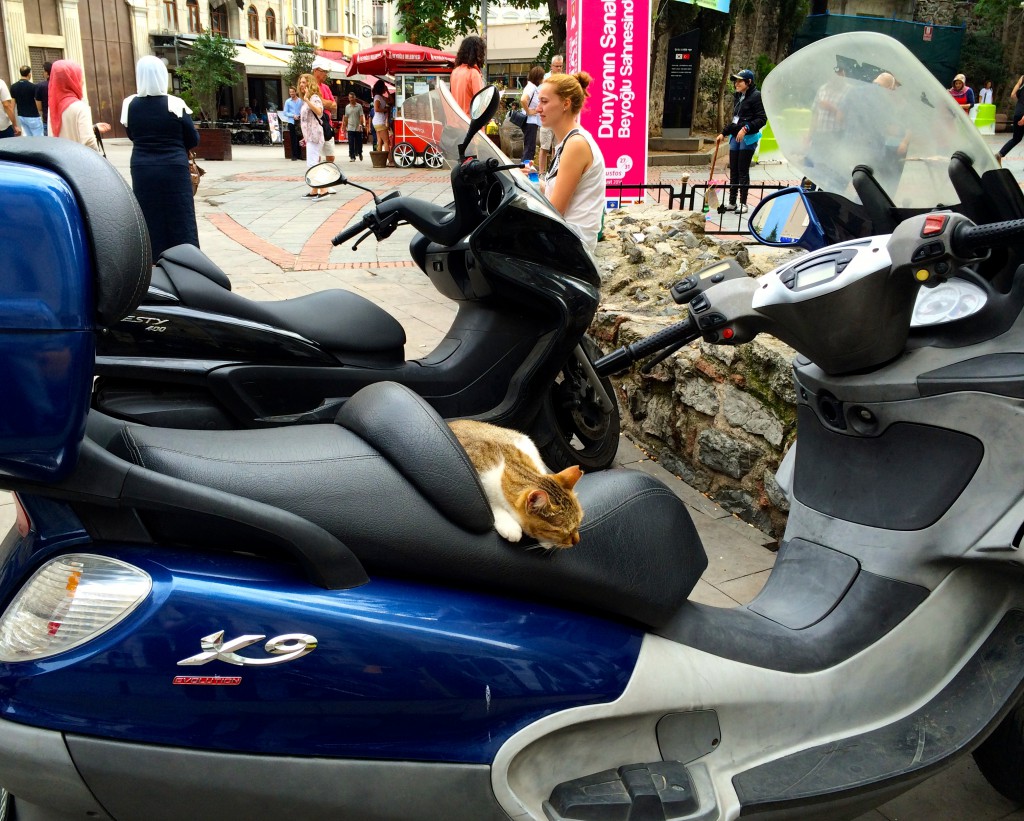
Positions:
{"x": 336, "y": 320}
{"x": 391, "y": 481}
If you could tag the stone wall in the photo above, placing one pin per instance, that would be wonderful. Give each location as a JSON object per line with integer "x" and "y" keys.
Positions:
{"x": 719, "y": 417}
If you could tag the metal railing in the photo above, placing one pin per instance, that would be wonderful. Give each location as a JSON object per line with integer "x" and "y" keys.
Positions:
{"x": 694, "y": 197}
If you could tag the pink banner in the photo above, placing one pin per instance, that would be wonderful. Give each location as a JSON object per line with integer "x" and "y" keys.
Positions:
{"x": 610, "y": 40}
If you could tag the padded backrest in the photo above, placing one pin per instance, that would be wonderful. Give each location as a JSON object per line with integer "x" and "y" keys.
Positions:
{"x": 420, "y": 445}
{"x": 115, "y": 229}
{"x": 75, "y": 254}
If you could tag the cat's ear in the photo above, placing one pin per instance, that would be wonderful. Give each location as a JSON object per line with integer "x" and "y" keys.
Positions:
{"x": 569, "y": 477}
{"x": 536, "y": 501}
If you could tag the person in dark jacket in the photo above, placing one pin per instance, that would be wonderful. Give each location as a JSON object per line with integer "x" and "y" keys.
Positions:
{"x": 748, "y": 118}
{"x": 162, "y": 134}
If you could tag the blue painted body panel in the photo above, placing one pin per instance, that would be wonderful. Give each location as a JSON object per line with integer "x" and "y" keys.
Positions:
{"x": 46, "y": 305}
{"x": 401, "y": 671}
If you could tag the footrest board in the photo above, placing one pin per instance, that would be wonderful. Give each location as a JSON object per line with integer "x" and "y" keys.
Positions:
{"x": 977, "y": 697}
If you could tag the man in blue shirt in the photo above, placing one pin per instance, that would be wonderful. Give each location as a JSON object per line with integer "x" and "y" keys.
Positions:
{"x": 290, "y": 114}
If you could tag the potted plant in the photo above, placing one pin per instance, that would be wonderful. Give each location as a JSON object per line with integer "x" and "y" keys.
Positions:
{"x": 209, "y": 65}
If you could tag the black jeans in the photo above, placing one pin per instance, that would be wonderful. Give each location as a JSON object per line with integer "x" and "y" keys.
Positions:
{"x": 529, "y": 140}
{"x": 296, "y": 135}
{"x": 355, "y": 144}
{"x": 1018, "y": 135}
{"x": 739, "y": 175}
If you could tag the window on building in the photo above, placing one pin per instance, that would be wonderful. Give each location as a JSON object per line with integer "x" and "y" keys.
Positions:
{"x": 219, "y": 20}
{"x": 332, "y": 16}
{"x": 170, "y": 15}
{"x": 305, "y": 12}
{"x": 351, "y": 18}
{"x": 254, "y": 23}
{"x": 315, "y": 22}
{"x": 380, "y": 24}
{"x": 271, "y": 25}
{"x": 194, "y": 26}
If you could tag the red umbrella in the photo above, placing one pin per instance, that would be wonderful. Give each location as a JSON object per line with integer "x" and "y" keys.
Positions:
{"x": 389, "y": 58}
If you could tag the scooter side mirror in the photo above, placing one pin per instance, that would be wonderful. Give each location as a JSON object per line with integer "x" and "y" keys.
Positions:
{"x": 324, "y": 175}
{"x": 481, "y": 109}
{"x": 785, "y": 219}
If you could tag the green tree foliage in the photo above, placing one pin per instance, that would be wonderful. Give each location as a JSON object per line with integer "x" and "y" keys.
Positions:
{"x": 981, "y": 59}
{"x": 209, "y": 65}
{"x": 301, "y": 62}
{"x": 762, "y": 67}
{"x": 436, "y": 23}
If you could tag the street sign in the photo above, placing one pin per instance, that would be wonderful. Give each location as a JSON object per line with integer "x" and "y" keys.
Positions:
{"x": 610, "y": 40}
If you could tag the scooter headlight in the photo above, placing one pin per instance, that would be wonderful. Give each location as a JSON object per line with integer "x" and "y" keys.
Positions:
{"x": 68, "y": 601}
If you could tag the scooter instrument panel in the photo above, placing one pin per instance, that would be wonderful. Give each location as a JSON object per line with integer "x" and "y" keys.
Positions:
{"x": 823, "y": 272}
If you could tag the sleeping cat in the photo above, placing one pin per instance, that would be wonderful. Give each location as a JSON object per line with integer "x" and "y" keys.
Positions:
{"x": 524, "y": 496}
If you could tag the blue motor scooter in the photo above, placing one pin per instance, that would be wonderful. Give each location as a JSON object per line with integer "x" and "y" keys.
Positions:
{"x": 320, "y": 621}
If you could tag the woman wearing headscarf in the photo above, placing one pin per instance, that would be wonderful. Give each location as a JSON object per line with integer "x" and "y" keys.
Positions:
{"x": 70, "y": 116}
{"x": 162, "y": 134}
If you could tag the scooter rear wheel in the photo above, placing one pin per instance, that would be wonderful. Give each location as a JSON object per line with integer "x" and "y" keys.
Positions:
{"x": 576, "y": 429}
{"x": 1001, "y": 756}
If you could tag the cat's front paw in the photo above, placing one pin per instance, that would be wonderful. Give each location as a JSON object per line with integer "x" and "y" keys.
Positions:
{"x": 508, "y": 528}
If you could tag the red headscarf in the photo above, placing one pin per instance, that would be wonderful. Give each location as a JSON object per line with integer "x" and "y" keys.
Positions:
{"x": 66, "y": 80}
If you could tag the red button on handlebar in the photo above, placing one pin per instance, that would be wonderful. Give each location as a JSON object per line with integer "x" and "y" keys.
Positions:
{"x": 934, "y": 225}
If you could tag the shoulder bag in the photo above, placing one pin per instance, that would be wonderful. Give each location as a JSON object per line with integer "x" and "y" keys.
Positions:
{"x": 194, "y": 171}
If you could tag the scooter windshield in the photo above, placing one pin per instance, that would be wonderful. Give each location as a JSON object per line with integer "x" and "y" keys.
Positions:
{"x": 862, "y": 98}
{"x": 433, "y": 118}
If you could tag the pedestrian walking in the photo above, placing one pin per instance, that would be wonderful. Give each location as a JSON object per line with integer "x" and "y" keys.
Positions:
{"x": 162, "y": 133}
{"x": 545, "y": 136}
{"x": 748, "y": 118}
{"x": 575, "y": 182}
{"x": 962, "y": 93}
{"x": 355, "y": 125}
{"x": 1017, "y": 96}
{"x": 24, "y": 94}
{"x": 312, "y": 127}
{"x": 70, "y": 117}
{"x": 466, "y": 78}
{"x": 43, "y": 97}
{"x": 290, "y": 114}
{"x": 8, "y": 114}
{"x": 529, "y": 104}
{"x": 320, "y": 67}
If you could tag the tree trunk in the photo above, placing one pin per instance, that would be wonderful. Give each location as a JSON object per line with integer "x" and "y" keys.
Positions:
{"x": 656, "y": 92}
{"x": 726, "y": 71}
{"x": 557, "y": 28}
{"x": 1016, "y": 48}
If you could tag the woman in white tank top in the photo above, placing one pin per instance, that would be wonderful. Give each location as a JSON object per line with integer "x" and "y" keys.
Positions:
{"x": 575, "y": 183}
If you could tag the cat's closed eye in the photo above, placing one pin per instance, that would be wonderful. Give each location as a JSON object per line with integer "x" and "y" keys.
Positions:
{"x": 523, "y": 495}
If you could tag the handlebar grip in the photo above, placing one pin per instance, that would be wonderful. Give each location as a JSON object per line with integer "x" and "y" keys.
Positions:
{"x": 969, "y": 238}
{"x": 618, "y": 360}
{"x": 352, "y": 231}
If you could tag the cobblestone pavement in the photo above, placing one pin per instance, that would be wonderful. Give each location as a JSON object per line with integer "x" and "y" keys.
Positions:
{"x": 273, "y": 244}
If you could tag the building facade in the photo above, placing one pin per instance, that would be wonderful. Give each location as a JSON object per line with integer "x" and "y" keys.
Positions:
{"x": 107, "y": 37}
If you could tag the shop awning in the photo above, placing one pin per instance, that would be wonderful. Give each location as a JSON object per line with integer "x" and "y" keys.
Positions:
{"x": 256, "y": 63}
{"x": 339, "y": 70}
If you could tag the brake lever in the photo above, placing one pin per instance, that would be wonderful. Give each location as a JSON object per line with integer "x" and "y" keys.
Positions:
{"x": 650, "y": 364}
{"x": 358, "y": 241}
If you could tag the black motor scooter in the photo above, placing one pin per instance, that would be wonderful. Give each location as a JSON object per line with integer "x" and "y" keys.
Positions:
{"x": 197, "y": 355}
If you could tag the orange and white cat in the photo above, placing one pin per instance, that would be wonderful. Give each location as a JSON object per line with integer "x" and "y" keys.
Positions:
{"x": 525, "y": 497}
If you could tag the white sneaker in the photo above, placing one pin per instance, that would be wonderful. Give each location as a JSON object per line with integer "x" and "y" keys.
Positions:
{"x": 742, "y": 208}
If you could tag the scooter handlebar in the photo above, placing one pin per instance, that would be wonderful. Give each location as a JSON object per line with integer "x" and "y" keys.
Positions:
{"x": 618, "y": 360}
{"x": 970, "y": 238}
{"x": 353, "y": 230}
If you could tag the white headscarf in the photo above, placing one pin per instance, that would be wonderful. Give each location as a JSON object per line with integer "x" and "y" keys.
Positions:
{"x": 151, "y": 80}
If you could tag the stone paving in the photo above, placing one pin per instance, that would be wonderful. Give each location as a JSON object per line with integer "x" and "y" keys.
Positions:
{"x": 275, "y": 245}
